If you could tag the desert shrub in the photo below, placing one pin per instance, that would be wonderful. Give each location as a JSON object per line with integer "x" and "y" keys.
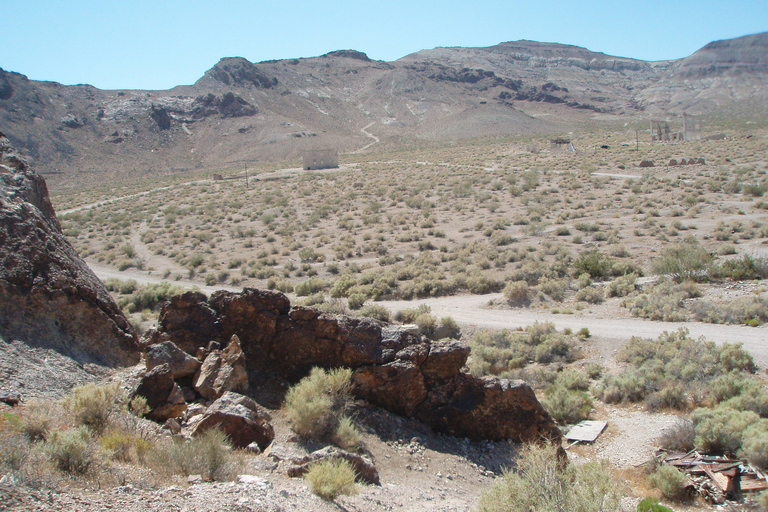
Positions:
{"x": 209, "y": 455}
{"x": 651, "y": 505}
{"x": 517, "y": 293}
{"x": 566, "y": 405}
{"x": 742, "y": 310}
{"x": 376, "y": 311}
{"x": 124, "y": 446}
{"x": 572, "y": 379}
{"x": 720, "y": 429}
{"x": 332, "y": 307}
{"x": 684, "y": 262}
{"x": 447, "y": 328}
{"x": 594, "y": 370}
{"x": 679, "y": 437}
{"x": 754, "y": 443}
{"x": 342, "y": 284}
{"x": 746, "y": 268}
{"x": 669, "y": 481}
{"x": 316, "y": 405}
{"x": 629, "y": 386}
{"x": 622, "y": 286}
{"x": 594, "y": 263}
{"x": 330, "y": 478}
{"x": 355, "y": 301}
{"x": 671, "y": 396}
{"x": 148, "y": 296}
{"x": 282, "y": 285}
{"x": 538, "y": 482}
{"x": 92, "y": 405}
{"x": 73, "y": 450}
{"x": 39, "y": 418}
{"x": 421, "y": 316}
{"x": 309, "y": 287}
{"x": 15, "y": 448}
{"x": 591, "y": 294}
{"x": 664, "y": 302}
{"x": 554, "y": 288}
{"x": 347, "y": 435}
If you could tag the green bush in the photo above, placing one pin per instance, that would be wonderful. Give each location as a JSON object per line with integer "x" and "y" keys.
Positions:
{"x": 539, "y": 482}
{"x": 554, "y": 288}
{"x": 124, "y": 446}
{"x": 566, "y": 406}
{"x": 517, "y": 293}
{"x": 669, "y": 481}
{"x": 73, "y": 450}
{"x": 720, "y": 429}
{"x": 664, "y": 302}
{"x": 742, "y": 310}
{"x": 754, "y": 443}
{"x": 376, "y": 311}
{"x": 330, "y": 478}
{"x": 591, "y": 294}
{"x": 92, "y": 405}
{"x": 652, "y": 505}
{"x": 316, "y": 405}
{"x": 209, "y": 455}
{"x": 594, "y": 263}
{"x": 622, "y": 286}
{"x": 745, "y": 268}
{"x": 310, "y": 286}
{"x": 684, "y": 262}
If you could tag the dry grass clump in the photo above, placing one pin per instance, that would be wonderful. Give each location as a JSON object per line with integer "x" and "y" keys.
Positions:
{"x": 670, "y": 482}
{"x": 317, "y": 405}
{"x": 538, "y": 482}
{"x": 92, "y": 433}
{"x": 331, "y": 478}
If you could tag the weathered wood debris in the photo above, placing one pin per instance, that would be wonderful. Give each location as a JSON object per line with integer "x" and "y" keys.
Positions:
{"x": 716, "y": 478}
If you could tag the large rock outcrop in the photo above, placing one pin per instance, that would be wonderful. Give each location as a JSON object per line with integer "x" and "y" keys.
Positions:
{"x": 49, "y": 298}
{"x": 393, "y": 367}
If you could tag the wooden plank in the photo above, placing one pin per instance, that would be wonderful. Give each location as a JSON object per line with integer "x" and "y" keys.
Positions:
{"x": 586, "y": 431}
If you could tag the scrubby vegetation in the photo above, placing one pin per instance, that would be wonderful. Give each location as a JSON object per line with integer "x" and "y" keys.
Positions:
{"x": 538, "y": 482}
{"x": 330, "y": 478}
{"x": 317, "y": 407}
{"x": 94, "y": 432}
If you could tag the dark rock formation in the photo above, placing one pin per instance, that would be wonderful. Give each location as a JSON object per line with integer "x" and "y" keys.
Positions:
{"x": 160, "y": 116}
{"x": 179, "y": 362}
{"x": 238, "y": 72}
{"x": 222, "y": 370}
{"x": 164, "y": 397}
{"x": 228, "y": 105}
{"x": 393, "y": 367}
{"x": 240, "y": 418}
{"x": 49, "y": 298}
{"x": 349, "y": 54}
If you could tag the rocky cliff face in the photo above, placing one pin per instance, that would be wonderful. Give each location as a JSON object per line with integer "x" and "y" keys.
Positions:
{"x": 49, "y": 298}
{"x": 392, "y": 367}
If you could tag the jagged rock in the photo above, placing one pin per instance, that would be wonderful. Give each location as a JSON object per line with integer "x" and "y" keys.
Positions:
{"x": 366, "y": 471}
{"x": 223, "y": 370}
{"x": 164, "y": 397}
{"x": 240, "y": 418}
{"x": 394, "y": 367}
{"x": 160, "y": 116}
{"x": 180, "y": 363}
{"x": 73, "y": 121}
{"x": 49, "y": 298}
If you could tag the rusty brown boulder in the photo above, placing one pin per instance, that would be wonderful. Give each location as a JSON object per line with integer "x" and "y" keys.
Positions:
{"x": 223, "y": 370}
{"x": 49, "y": 298}
{"x": 180, "y": 363}
{"x": 164, "y": 397}
{"x": 240, "y": 418}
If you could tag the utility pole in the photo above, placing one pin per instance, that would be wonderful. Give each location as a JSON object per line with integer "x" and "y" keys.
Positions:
{"x": 246, "y": 178}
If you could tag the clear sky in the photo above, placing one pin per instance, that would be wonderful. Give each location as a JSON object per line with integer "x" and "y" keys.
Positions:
{"x": 156, "y": 44}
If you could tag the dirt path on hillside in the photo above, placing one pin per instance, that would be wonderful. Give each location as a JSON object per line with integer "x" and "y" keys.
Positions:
{"x": 369, "y": 135}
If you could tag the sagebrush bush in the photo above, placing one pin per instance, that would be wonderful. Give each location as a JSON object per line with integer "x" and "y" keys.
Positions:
{"x": 679, "y": 437}
{"x": 664, "y": 301}
{"x": 754, "y": 444}
{"x": 591, "y": 294}
{"x": 669, "y": 481}
{"x": 565, "y": 405}
{"x": 93, "y": 405}
{"x": 376, "y": 311}
{"x": 684, "y": 262}
{"x": 556, "y": 289}
{"x": 538, "y": 482}
{"x": 73, "y": 450}
{"x": 517, "y": 293}
{"x": 622, "y": 286}
{"x": 720, "y": 429}
{"x": 124, "y": 446}
{"x": 330, "y": 478}
{"x": 317, "y": 404}
{"x": 209, "y": 455}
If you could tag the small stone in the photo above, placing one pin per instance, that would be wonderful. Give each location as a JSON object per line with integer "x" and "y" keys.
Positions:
{"x": 194, "y": 479}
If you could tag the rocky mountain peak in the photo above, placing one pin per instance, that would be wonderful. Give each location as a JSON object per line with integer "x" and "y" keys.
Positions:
{"x": 730, "y": 57}
{"x": 239, "y": 72}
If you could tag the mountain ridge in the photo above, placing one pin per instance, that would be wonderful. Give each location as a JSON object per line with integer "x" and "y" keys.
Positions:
{"x": 240, "y": 112}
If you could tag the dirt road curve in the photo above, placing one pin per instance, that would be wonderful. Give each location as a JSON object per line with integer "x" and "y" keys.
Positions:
{"x": 473, "y": 310}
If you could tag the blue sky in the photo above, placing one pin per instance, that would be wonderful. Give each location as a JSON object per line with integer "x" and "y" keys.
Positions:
{"x": 158, "y": 44}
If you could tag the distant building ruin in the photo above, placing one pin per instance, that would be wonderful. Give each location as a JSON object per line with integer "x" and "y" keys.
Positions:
{"x": 661, "y": 132}
{"x": 561, "y": 144}
{"x": 320, "y": 159}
